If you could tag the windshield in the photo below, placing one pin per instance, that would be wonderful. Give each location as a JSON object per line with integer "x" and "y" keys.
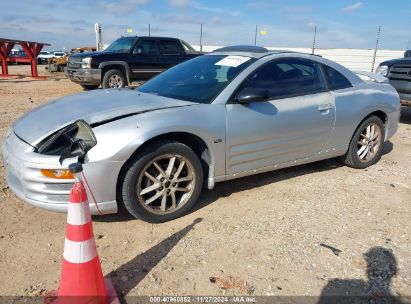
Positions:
{"x": 121, "y": 45}
{"x": 199, "y": 80}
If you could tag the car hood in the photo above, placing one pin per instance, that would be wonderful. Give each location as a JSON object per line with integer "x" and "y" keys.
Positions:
{"x": 92, "y": 54}
{"x": 406, "y": 60}
{"x": 93, "y": 107}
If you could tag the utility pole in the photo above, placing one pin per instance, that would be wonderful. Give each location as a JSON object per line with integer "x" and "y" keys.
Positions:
{"x": 376, "y": 48}
{"x": 255, "y": 36}
{"x": 99, "y": 40}
{"x": 315, "y": 36}
{"x": 149, "y": 30}
{"x": 201, "y": 37}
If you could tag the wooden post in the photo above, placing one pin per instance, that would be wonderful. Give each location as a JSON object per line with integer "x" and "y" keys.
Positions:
{"x": 32, "y": 50}
{"x": 5, "y": 48}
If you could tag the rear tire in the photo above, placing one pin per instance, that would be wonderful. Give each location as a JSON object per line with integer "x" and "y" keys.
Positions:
{"x": 366, "y": 144}
{"x": 89, "y": 87}
{"x": 162, "y": 182}
{"x": 113, "y": 79}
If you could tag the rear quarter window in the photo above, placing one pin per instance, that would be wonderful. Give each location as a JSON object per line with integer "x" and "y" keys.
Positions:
{"x": 170, "y": 46}
{"x": 336, "y": 80}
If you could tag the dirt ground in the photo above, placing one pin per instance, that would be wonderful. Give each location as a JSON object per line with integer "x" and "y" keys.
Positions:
{"x": 262, "y": 235}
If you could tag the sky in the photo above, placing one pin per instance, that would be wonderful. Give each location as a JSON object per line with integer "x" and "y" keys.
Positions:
{"x": 287, "y": 23}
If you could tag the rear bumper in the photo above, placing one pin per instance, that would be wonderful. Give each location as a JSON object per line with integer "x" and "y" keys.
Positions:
{"x": 26, "y": 181}
{"x": 84, "y": 76}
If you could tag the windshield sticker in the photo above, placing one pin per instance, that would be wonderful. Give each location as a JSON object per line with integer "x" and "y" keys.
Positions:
{"x": 233, "y": 61}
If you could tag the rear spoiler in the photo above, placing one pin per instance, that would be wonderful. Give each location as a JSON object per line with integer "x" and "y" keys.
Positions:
{"x": 372, "y": 76}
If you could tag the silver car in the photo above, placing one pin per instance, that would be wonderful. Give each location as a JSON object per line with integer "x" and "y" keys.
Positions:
{"x": 233, "y": 112}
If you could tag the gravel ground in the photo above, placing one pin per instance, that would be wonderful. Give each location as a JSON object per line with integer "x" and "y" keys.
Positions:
{"x": 309, "y": 230}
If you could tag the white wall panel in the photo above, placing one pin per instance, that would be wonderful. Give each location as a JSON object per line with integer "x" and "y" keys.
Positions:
{"x": 355, "y": 59}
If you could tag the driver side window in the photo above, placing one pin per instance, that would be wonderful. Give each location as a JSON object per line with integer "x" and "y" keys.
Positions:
{"x": 288, "y": 77}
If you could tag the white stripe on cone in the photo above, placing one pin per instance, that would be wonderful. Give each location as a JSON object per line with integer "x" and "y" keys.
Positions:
{"x": 78, "y": 213}
{"x": 79, "y": 252}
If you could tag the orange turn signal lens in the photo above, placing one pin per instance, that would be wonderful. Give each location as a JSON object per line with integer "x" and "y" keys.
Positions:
{"x": 59, "y": 174}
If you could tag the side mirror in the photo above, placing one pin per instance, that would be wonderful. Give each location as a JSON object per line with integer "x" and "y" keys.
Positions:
{"x": 249, "y": 95}
{"x": 138, "y": 50}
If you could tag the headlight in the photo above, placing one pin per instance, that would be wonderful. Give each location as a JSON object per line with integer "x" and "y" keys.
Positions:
{"x": 71, "y": 141}
{"x": 382, "y": 70}
{"x": 86, "y": 63}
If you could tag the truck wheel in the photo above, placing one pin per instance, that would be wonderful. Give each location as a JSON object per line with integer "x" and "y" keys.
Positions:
{"x": 53, "y": 67}
{"x": 113, "y": 79}
{"x": 88, "y": 87}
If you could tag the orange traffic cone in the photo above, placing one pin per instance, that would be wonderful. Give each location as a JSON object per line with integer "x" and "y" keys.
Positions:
{"x": 81, "y": 278}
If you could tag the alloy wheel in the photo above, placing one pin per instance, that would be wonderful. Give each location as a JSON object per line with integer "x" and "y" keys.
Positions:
{"x": 166, "y": 183}
{"x": 115, "y": 81}
{"x": 369, "y": 142}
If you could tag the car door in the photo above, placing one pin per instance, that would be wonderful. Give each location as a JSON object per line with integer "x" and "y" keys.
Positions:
{"x": 171, "y": 52}
{"x": 295, "y": 121}
{"x": 143, "y": 60}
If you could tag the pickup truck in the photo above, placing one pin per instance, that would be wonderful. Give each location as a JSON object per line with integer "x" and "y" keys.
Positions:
{"x": 57, "y": 64}
{"x": 398, "y": 72}
{"x": 127, "y": 59}
{"x": 43, "y": 57}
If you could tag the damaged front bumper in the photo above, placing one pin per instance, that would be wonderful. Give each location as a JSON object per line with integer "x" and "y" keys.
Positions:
{"x": 403, "y": 88}
{"x": 84, "y": 76}
{"x": 24, "y": 177}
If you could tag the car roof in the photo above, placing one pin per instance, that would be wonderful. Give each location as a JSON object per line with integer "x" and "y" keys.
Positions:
{"x": 263, "y": 54}
{"x": 251, "y": 51}
{"x": 155, "y": 37}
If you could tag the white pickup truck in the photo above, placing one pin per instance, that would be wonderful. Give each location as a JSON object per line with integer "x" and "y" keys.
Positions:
{"x": 44, "y": 56}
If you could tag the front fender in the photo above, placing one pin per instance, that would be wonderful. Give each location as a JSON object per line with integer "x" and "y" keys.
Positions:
{"x": 118, "y": 140}
{"x": 117, "y": 62}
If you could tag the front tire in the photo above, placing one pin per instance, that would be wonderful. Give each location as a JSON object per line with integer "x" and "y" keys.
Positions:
{"x": 113, "y": 79}
{"x": 366, "y": 144}
{"x": 162, "y": 182}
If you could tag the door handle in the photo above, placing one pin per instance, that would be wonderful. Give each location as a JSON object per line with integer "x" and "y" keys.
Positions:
{"x": 325, "y": 106}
